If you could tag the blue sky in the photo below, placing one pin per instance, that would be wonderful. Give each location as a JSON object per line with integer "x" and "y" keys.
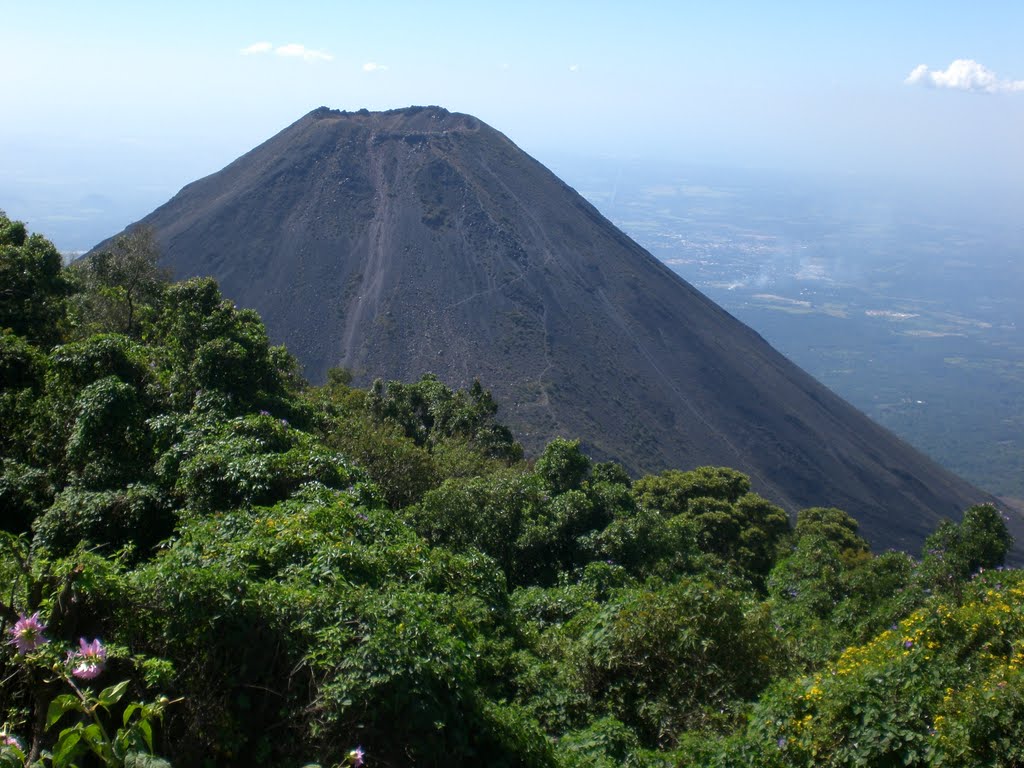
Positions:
{"x": 132, "y": 100}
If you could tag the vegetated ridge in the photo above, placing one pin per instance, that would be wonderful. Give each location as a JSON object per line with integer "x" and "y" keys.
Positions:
{"x": 417, "y": 240}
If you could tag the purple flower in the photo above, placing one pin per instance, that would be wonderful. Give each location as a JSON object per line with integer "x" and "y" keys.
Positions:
{"x": 88, "y": 662}
{"x": 284, "y": 422}
{"x": 357, "y": 757}
{"x": 908, "y": 644}
{"x": 27, "y": 633}
{"x": 781, "y": 742}
{"x": 6, "y": 740}
{"x": 264, "y": 413}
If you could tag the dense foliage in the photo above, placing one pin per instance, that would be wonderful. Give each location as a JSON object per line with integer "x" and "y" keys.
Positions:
{"x": 283, "y": 574}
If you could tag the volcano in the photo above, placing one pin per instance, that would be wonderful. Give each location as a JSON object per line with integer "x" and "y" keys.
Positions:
{"x": 418, "y": 240}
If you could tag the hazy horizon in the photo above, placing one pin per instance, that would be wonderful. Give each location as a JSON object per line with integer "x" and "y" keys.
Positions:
{"x": 119, "y": 107}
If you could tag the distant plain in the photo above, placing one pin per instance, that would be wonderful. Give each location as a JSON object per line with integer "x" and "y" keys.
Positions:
{"x": 906, "y": 304}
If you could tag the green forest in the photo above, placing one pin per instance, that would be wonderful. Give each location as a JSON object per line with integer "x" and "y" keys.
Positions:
{"x": 207, "y": 561}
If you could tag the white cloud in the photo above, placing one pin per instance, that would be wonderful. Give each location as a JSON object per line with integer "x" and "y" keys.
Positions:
{"x": 295, "y": 50}
{"x": 292, "y": 50}
{"x": 261, "y": 47}
{"x": 963, "y": 75}
{"x": 373, "y": 66}
{"x": 574, "y": 67}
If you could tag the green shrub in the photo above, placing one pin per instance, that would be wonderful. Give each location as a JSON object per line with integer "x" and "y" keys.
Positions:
{"x": 676, "y": 658}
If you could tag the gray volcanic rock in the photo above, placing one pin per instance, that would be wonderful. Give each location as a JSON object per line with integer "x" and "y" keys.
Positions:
{"x": 419, "y": 240}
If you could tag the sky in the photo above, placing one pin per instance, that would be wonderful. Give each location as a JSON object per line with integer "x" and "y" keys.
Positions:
{"x": 117, "y": 105}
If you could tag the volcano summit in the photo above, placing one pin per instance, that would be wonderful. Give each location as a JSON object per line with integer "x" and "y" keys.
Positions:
{"x": 418, "y": 240}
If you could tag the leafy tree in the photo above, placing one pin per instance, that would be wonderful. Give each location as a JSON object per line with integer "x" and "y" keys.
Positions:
{"x": 25, "y": 492}
{"x": 604, "y": 743}
{"x": 648, "y": 544}
{"x": 339, "y": 615}
{"x": 672, "y": 490}
{"x": 563, "y": 466}
{"x": 738, "y": 527}
{"x": 253, "y": 460}
{"x": 804, "y": 589}
{"x": 218, "y": 356}
{"x": 836, "y": 526}
{"x": 32, "y": 285}
{"x": 984, "y": 538}
{"x": 880, "y": 591}
{"x": 486, "y": 513}
{"x": 98, "y": 395}
{"x": 535, "y": 525}
{"x": 674, "y": 658}
{"x": 763, "y": 528}
{"x": 108, "y": 444}
{"x": 955, "y": 551}
{"x": 611, "y": 473}
{"x": 22, "y": 376}
{"x": 401, "y": 470}
{"x": 826, "y": 594}
{"x": 139, "y": 516}
{"x": 120, "y": 284}
{"x": 428, "y": 412}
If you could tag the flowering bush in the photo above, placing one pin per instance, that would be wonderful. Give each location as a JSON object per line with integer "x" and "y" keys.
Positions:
{"x": 89, "y": 731}
{"x": 944, "y": 687}
{"x": 78, "y": 721}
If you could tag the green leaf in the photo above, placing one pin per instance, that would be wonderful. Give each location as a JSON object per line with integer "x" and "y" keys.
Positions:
{"x": 66, "y": 745}
{"x": 129, "y": 711}
{"x": 113, "y": 694}
{"x": 94, "y": 735}
{"x": 11, "y": 757}
{"x": 147, "y": 733}
{"x": 60, "y": 705}
{"x": 140, "y": 760}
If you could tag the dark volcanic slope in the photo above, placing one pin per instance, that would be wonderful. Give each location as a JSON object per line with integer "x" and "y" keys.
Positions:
{"x": 417, "y": 240}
